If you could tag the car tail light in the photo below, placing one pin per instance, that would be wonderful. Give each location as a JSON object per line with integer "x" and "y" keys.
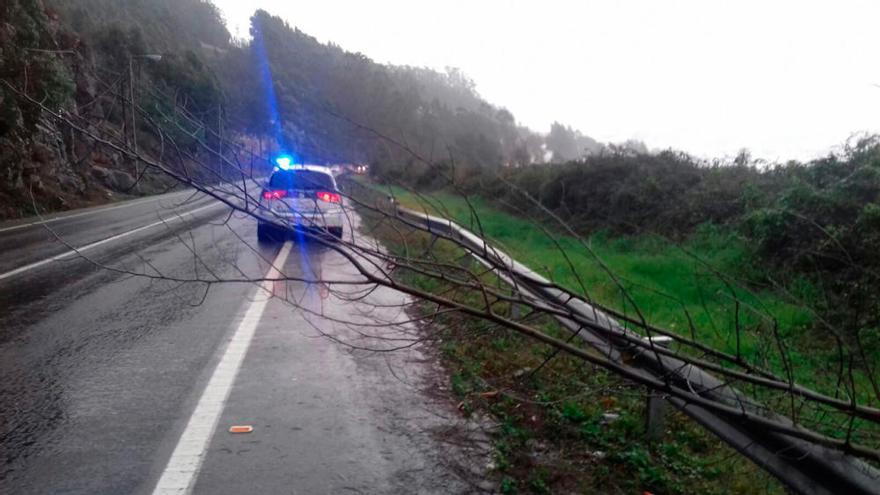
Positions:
{"x": 274, "y": 194}
{"x": 330, "y": 197}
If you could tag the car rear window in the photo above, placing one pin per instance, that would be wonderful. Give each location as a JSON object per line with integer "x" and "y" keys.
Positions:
{"x": 302, "y": 179}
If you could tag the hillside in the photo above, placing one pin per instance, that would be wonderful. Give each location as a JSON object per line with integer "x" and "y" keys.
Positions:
{"x": 175, "y": 60}
{"x": 86, "y": 59}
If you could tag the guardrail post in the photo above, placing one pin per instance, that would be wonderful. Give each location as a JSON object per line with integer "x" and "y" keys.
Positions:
{"x": 803, "y": 466}
{"x": 515, "y": 311}
{"x": 655, "y": 420}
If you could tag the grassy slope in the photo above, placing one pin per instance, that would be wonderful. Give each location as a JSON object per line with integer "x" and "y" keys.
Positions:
{"x": 672, "y": 286}
{"x": 553, "y": 434}
{"x": 687, "y": 287}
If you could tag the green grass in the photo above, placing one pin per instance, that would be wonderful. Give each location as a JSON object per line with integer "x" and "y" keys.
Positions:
{"x": 674, "y": 286}
{"x": 552, "y": 435}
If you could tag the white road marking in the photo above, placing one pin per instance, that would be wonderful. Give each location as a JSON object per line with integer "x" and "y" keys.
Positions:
{"x": 257, "y": 181}
{"x": 95, "y": 244}
{"x": 92, "y": 211}
{"x": 186, "y": 460}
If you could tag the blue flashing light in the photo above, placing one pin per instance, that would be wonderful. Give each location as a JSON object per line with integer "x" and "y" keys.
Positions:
{"x": 284, "y": 162}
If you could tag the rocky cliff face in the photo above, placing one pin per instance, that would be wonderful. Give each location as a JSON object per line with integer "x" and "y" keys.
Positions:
{"x": 46, "y": 166}
{"x": 46, "y": 67}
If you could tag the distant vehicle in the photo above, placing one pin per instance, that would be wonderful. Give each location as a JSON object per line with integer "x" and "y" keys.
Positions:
{"x": 300, "y": 198}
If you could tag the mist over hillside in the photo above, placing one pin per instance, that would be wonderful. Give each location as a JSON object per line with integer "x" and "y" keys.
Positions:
{"x": 315, "y": 87}
{"x": 283, "y": 88}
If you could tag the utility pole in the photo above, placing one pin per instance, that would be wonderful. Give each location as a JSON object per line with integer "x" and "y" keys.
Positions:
{"x": 131, "y": 92}
{"x": 123, "y": 106}
{"x": 133, "y": 108}
{"x": 131, "y": 104}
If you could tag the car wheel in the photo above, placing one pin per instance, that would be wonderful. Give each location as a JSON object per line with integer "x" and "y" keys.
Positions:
{"x": 266, "y": 233}
{"x": 335, "y": 232}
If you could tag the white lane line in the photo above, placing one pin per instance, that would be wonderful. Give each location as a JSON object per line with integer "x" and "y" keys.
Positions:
{"x": 95, "y": 244}
{"x": 125, "y": 204}
{"x": 186, "y": 460}
{"x": 91, "y": 211}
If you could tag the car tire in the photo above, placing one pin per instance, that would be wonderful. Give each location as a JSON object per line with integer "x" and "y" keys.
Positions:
{"x": 335, "y": 232}
{"x": 267, "y": 233}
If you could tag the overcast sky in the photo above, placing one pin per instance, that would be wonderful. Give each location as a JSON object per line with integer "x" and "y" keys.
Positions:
{"x": 785, "y": 79}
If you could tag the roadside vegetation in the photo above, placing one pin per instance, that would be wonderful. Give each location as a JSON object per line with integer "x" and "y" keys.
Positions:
{"x": 560, "y": 425}
{"x": 177, "y": 66}
{"x": 773, "y": 264}
{"x": 785, "y": 253}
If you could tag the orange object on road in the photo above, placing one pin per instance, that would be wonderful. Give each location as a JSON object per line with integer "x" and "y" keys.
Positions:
{"x": 241, "y": 429}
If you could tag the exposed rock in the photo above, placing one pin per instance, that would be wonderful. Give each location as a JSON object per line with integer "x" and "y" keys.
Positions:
{"x": 71, "y": 183}
{"x": 42, "y": 153}
{"x": 14, "y": 179}
{"x": 116, "y": 180}
{"x": 520, "y": 372}
{"x": 102, "y": 174}
{"x": 36, "y": 182}
{"x": 609, "y": 418}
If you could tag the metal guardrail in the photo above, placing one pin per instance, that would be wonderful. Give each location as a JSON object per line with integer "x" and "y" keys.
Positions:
{"x": 802, "y": 466}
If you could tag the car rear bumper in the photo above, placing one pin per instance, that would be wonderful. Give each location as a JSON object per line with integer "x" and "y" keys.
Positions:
{"x": 293, "y": 220}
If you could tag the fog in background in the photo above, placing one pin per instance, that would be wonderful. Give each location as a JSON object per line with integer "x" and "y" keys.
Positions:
{"x": 787, "y": 79}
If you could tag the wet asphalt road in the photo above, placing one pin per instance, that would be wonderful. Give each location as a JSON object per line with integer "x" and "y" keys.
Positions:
{"x": 101, "y": 370}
